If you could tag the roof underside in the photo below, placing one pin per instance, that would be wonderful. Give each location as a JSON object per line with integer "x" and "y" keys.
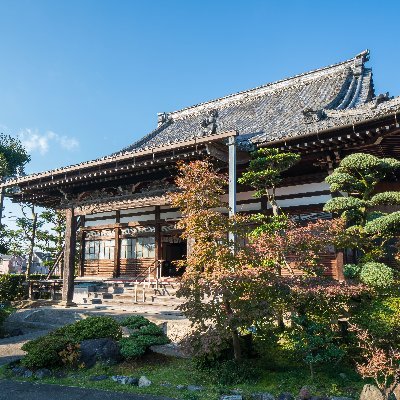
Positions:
{"x": 314, "y": 101}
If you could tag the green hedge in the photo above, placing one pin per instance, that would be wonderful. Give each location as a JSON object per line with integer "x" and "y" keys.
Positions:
{"x": 12, "y": 288}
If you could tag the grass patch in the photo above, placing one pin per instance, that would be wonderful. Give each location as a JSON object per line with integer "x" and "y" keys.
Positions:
{"x": 161, "y": 369}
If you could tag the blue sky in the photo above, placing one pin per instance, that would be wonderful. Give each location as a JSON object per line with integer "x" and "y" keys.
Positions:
{"x": 80, "y": 79}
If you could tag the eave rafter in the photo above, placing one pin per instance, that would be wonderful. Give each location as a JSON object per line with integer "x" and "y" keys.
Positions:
{"x": 49, "y": 188}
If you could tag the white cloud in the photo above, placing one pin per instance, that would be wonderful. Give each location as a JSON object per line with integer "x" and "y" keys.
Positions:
{"x": 34, "y": 141}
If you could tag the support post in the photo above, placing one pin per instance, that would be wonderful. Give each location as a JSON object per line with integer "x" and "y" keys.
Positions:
{"x": 69, "y": 258}
{"x": 232, "y": 181}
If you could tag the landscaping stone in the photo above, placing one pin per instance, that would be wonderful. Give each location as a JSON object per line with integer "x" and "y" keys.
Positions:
{"x": 194, "y": 388}
{"x": 371, "y": 392}
{"x": 125, "y": 380}
{"x": 27, "y": 374}
{"x": 43, "y": 373}
{"x": 94, "y": 350}
{"x": 181, "y": 387}
{"x": 285, "y": 396}
{"x": 166, "y": 384}
{"x": 19, "y": 371}
{"x": 231, "y": 397}
{"x": 144, "y": 381}
{"x": 305, "y": 393}
{"x": 97, "y": 378}
{"x": 343, "y": 375}
{"x": 262, "y": 396}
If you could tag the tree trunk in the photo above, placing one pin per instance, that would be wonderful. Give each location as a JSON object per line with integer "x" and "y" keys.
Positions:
{"x": 32, "y": 243}
{"x": 237, "y": 350}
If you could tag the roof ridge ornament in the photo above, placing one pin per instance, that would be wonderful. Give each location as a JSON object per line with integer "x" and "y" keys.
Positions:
{"x": 209, "y": 124}
{"x": 310, "y": 115}
{"x": 162, "y": 118}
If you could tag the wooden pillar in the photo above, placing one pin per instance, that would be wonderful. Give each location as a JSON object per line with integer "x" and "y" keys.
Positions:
{"x": 82, "y": 255}
{"x": 117, "y": 251}
{"x": 69, "y": 258}
{"x": 158, "y": 243}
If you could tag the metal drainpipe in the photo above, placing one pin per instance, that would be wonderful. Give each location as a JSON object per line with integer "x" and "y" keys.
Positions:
{"x": 232, "y": 181}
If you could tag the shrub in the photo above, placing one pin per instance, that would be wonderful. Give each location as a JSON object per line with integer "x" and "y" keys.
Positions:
{"x": 91, "y": 328}
{"x": 351, "y": 271}
{"x": 315, "y": 342}
{"x": 11, "y": 287}
{"x": 381, "y": 317}
{"x": 135, "y": 322}
{"x": 376, "y": 275}
{"x": 131, "y": 348}
{"x": 56, "y": 347}
{"x": 4, "y": 313}
{"x": 148, "y": 330}
{"x": 146, "y": 334}
{"x": 233, "y": 372}
{"x": 44, "y": 352}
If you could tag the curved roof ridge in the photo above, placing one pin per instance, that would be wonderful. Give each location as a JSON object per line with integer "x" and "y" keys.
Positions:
{"x": 363, "y": 56}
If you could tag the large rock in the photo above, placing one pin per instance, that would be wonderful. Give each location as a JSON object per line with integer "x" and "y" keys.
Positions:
{"x": 42, "y": 373}
{"x": 262, "y": 396}
{"x": 125, "y": 380}
{"x": 371, "y": 392}
{"x": 231, "y": 397}
{"x": 305, "y": 393}
{"x": 144, "y": 381}
{"x": 93, "y": 350}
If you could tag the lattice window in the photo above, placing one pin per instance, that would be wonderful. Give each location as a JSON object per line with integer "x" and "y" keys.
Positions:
{"x": 140, "y": 247}
{"x": 99, "y": 249}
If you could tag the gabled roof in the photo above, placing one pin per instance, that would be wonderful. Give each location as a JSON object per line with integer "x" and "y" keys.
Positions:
{"x": 291, "y": 107}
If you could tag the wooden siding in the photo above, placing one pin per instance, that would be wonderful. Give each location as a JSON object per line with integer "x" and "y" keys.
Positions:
{"x": 101, "y": 268}
{"x": 136, "y": 267}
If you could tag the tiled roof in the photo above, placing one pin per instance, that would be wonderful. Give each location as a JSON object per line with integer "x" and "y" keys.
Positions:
{"x": 313, "y": 101}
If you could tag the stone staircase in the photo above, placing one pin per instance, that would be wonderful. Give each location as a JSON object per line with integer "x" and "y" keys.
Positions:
{"x": 124, "y": 293}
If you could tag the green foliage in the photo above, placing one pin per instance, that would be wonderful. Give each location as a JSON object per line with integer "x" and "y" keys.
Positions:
{"x": 265, "y": 171}
{"x": 131, "y": 348}
{"x": 351, "y": 271}
{"x": 385, "y": 198}
{"x": 91, "y": 328}
{"x": 4, "y": 313}
{"x": 12, "y": 288}
{"x": 376, "y": 275}
{"x": 44, "y": 351}
{"x": 13, "y": 156}
{"x": 381, "y": 317}
{"x": 233, "y": 372}
{"x": 387, "y": 225}
{"x": 340, "y": 204}
{"x": 147, "y": 334}
{"x": 50, "y": 350}
{"x": 134, "y": 322}
{"x": 315, "y": 342}
{"x": 358, "y": 175}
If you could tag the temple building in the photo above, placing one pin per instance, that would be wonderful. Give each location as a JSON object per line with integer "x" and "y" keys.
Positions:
{"x": 119, "y": 201}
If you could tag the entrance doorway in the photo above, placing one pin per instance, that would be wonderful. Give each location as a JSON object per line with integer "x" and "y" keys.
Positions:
{"x": 173, "y": 252}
